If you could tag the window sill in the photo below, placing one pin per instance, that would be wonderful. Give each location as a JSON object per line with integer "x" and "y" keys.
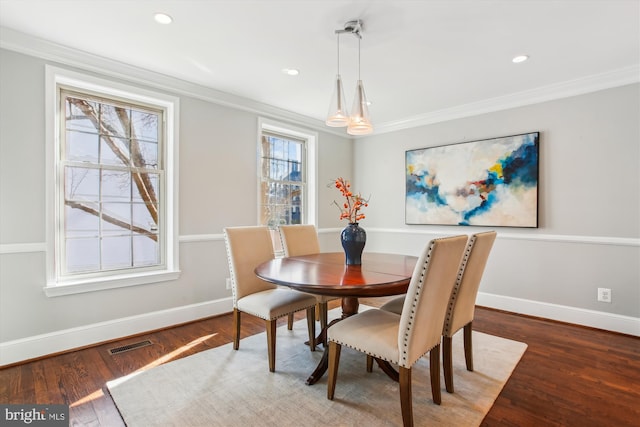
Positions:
{"x": 103, "y": 283}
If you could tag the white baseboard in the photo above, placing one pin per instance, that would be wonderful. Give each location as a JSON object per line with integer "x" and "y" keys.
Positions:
{"x": 68, "y": 339}
{"x": 579, "y": 316}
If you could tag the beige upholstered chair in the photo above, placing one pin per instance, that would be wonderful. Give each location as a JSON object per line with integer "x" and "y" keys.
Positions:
{"x": 247, "y": 247}
{"x": 462, "y": 303}
{"x": 461, "y": 308}
{"x": 404, "y": 338}
{"x": 300, "y": 240}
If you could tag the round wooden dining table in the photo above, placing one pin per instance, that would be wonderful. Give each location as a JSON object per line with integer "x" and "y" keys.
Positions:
{"x": 379, "y": 275}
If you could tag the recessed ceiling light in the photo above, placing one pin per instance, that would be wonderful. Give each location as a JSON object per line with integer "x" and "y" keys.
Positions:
{"x": 291, "y": 71}
{"x": 520, "y": 58}
{"x": 163, "y": 18}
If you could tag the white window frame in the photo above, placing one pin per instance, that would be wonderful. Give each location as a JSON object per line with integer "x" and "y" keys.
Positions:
{"x": 310, "y": 205}
{"x": 57, "y": 284}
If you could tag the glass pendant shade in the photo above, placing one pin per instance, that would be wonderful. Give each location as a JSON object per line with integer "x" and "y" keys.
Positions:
{"x": 338, "y": 115}
{"x": 359, "y": 121}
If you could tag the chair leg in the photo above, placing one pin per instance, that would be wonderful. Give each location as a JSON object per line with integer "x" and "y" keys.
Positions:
{"x": 290, "y": 322}
{"x": 236, "y": 329}
{"x": 447, "y": 362}
{"x": 311, "y": 327}
{"x": 334, "y": 361}
{"x": 468, "y": 347}
{"x": 406, "y": 400}
{"x": 271, "y": 344}
{"x": 322, "y": 314}
{"x": 434, "y": 365}
{"x": 369, "y": 363}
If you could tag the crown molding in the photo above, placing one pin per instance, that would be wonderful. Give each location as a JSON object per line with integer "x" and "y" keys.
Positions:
{"x": 580, "y": 86}
{"x": 44, "y": 49}
{"x": 33, "y": 46}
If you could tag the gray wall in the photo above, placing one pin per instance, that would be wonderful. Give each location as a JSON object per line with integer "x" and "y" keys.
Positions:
{"x": 217, "y": 188}
{"x": 589, "y": 210}
{"x": 589, "y": 199}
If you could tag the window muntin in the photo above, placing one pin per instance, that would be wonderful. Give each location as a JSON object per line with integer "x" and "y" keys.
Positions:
{"x": 112, "y": 174}
{"x": 283, "y": 180}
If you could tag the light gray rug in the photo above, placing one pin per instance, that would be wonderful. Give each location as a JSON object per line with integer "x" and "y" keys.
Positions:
{"x": 224, "y": 387}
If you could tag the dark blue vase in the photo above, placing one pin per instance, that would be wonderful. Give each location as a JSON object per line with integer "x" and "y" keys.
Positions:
{"x": 353, "y": 239}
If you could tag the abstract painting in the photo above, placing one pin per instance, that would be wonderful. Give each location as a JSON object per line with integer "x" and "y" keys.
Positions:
{"x": 492, "y": 182}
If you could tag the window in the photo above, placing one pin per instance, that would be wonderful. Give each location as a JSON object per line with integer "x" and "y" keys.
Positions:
{"x": 287, "y": 177}
{"x": 283, "y": 182}
{"x": 113, "y": 167}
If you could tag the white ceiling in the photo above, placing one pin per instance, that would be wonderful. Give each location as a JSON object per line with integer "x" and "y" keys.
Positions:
{"x": 418, "y": 57}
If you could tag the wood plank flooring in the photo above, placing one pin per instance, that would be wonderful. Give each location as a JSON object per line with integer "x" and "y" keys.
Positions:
{"x": 569, "y": 375}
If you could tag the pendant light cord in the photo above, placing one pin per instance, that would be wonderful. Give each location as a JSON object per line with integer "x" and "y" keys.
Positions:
{"x": 338, "y": 50}
{"x": 359, "y": 58}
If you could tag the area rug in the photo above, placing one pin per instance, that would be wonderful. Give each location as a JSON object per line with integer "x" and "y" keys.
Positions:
{"x": 224, "y": 387}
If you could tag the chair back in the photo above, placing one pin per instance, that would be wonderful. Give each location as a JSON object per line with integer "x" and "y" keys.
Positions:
{"x": 299, "y": 239}
{"x": 247, "y": 247}
{"x": 426, "y": 301}
{"x": 462, "y": 304}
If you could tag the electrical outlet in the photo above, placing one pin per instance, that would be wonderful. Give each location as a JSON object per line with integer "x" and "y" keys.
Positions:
{"x": 604, "y": 294}
{"x": 228, "y": 283}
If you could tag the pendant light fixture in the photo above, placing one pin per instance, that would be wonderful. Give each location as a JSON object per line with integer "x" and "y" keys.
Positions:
{"x": 358, "y": 123}
{"x": 338, "y": 115}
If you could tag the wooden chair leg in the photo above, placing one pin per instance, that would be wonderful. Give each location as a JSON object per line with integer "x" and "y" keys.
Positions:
{"x": 334, "y": 361}
{"x": 406, "y": 400}
{"x": 369, "y": 363}
{"x": 447, "y": 362}
{"x": 271, "y": 344}
{"x": 468, "y": 347}
{"x": 236, "y": 329}
{"x": 322, "y": 314}
{"x": 290, "y": 322}
{"x": 311, "y": 327}
{"x": 434, "y": 367}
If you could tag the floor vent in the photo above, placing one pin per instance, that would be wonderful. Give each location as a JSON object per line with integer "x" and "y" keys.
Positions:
{"x": 128, "y": 347}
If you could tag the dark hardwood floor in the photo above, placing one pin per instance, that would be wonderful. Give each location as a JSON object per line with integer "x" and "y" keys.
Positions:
{"x": 569, "y": 375}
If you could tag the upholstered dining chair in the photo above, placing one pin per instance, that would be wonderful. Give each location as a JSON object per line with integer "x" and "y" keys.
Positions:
{"x": 461, "y": 308}
{"x": 247, "y": 247}
{"x": 462, "y": 304}
{"x": 402, "y": 339}
{"x": 302, "y": 239}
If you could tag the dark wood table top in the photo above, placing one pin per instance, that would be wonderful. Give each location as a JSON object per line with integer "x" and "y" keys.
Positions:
{"x": 380, "y": 274}
{"x": 326, "y": 274}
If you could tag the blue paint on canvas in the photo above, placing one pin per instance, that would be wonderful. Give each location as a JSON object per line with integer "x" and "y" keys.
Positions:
{"x": 491, "y": 182}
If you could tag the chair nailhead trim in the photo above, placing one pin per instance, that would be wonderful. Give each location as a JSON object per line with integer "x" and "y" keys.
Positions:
{"x": 365, "y": 352}
{"x": 282, "y": 315}
{"x": 234, "y": 297}
{"x": 425, "y": 266}
{"x": 456, "y": 287}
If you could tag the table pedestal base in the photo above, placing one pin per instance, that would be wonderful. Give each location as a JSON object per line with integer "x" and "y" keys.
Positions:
{"x": 349, "y": 308}
{"x": 323, "y": 365}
